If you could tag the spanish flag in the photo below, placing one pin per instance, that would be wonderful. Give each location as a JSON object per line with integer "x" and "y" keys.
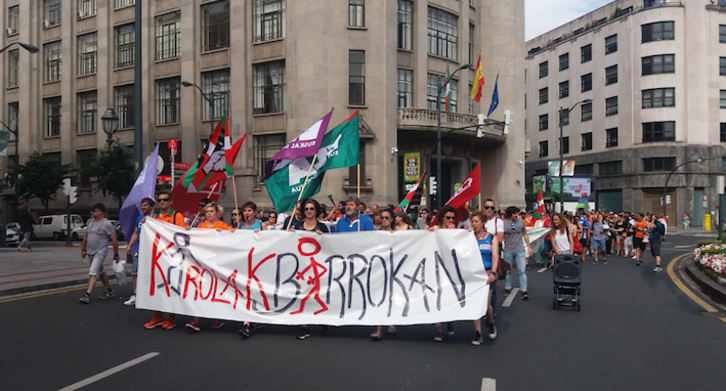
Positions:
{"x": 478, "y": 82}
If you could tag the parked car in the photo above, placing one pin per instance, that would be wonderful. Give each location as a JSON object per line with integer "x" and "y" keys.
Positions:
{"x": 12, "y": 234}
{"x": 79, "y": 232}
{"x": 54, "y": 226}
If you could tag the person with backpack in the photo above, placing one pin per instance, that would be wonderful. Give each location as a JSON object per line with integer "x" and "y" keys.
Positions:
{"x": 657, "y": 231}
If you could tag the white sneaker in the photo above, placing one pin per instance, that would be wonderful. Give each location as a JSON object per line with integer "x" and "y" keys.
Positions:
{"x": 131, "y": 300}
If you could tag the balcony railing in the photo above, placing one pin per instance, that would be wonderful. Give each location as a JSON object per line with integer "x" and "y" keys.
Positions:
{"x": 425, "y": 119}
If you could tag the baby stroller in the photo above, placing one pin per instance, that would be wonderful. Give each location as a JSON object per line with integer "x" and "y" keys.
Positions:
{"x": 567, "y": 276}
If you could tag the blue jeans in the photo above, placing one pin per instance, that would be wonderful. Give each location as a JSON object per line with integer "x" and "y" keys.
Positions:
{"x": 518, "y": 260}
{"x": 25, "y": 242}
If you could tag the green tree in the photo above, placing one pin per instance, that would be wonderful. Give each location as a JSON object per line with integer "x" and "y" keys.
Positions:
{"x": 40, "y": 178}
{"x": 114, "y": 172}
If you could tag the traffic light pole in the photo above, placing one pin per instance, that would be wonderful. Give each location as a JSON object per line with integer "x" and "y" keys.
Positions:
{"x": 69, "y": 243}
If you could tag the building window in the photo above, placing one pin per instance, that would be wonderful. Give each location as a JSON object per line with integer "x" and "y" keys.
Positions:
{"x": 167, "y": 98}
{"x": 586, "y": 53}
{"x": 564, "y": 89}
{"x": 659, "y": 164}
{"x": 357, "y": 77}
{"x": 13, "y": 19}
{"x": 611, "y": 168}
{"x": 722, "y": 131}
{"x": 269, "y": 20}
{"x": 659, "y": 131}
{"x": 216, "y": 86}
{"x": 13, "y": 111}
{"x": 353, "y": 170}
{"x": 13, "y": 67}
{"x": 52, "y": 13}
{"x": 405, "y": 88}
{"x": 722, "y": 33}
{"x": 125, "y": 45}
{"x": 266, "y": 146}
{"x": 270, "y": 87}
{"x": 52, "y": 116}
{"x": 611, "y": 44}
{"x": 664, "y": 63}
{"x": 611, "y": 137}
{"x": 86, "y": 8}
{"x": 87, "y": 54}
{"x": 611, "y": 106}
{"x": 356, "y": 13}
{"x": 543, "y": 149}
{"x": 442, "y": 33}
{"x": 84, "y": 161}
{"x": 168, "y": 35}
{"x": 586, "y": 109}
{"x": 722, "y": 99}
{"x": 124, "y": 3}
{"x": 544, "y": 96}
{"x": 587, "y": 141}
{"x": 544, "y": 69}
{"x": 611, "y": 75}
{"x": 472, "y": 36}
{"x": 124, "y": 96}
{"x": 722, "y": 66}
{"x": 405, "y": 24}
{"x": 52, "y": 60}
{"x": 564, "y": 117}
{"x": 564, "y": 61}
{"x": 87, "y": 110}
{"x": 215, "y": 25}
{"x": 660, "y": 31}
{"x": 586, "y": 82}
{"x": 565, "y": 145}
{"x": 585, "y": 169}
{"x": 659, "y": 97}
{"x": 544, "y": 122}
{"x": 432, "y": 85}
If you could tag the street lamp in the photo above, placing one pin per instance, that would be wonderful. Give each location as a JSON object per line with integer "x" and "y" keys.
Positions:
{"x": 109, "y": 121}
{"x": 210, "y": 101}
{"x": 30, "y": 48}
{"x": 562, "y": 180}
{"x": 668, "y": 178}
{"x": 438, "y": 126}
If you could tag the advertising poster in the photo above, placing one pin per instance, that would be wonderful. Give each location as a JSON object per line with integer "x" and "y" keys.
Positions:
{"x": 411, "y": 166}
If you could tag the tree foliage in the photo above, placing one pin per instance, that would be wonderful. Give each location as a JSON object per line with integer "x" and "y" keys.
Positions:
{"x": 114, "y": 172}
{"x": 40, "y": 178}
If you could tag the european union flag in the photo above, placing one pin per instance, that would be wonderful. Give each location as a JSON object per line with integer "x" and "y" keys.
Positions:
{"x": 495, "y": 98}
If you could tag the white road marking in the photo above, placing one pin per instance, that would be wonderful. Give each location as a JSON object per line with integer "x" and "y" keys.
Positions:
{"x": 488, "y": 384}
{"x": 685, "y": 246}
{"x": 508, "y": 301}
{"x": 542, "y": 270}
{"x": 109, "y": 372}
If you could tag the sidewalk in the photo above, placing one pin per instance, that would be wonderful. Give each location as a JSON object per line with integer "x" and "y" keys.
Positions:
{"x": 44, "y": 268}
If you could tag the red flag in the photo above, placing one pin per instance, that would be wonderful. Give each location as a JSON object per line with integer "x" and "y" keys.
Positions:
{"x": 540, "y": 203}
{"x": 469, "y": 189}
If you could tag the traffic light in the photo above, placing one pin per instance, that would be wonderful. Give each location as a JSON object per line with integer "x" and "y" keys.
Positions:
{"x": 668, "y": 199}
{"x": 432, "y": 185}
{"x": 70, "y": 191}
{"x": 507, "y": 120}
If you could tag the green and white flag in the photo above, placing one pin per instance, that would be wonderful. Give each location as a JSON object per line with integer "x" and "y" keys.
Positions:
{"x": 4, "y": 138}
{"x": 339, "y": 148}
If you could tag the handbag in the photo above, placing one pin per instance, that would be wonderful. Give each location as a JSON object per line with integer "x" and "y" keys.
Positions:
{"x": 503, "y": 268}
{"x": 578, "y": 248}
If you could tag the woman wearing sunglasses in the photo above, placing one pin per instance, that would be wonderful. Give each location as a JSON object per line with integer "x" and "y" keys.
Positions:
{"x": 272, "y": 220}
{"x": 446, "y": 220}
{"x": 311, "y": 210}
{"x": 489, "y": 249}
{"x": 387, "y": 226}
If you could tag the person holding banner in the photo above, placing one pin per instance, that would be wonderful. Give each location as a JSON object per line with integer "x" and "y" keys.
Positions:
{"x": 271, "y": 220}
{"x": 197, "y": 218}
{"x": 248, "y": 218}
{"x": 353, "y": 219}
{"x": 446, "y": 219}
{"x": 387, "y": 226}
{"x": 489, "y": 249}
{"x": 147, "y": 209}
{"x": 403, "y": 221}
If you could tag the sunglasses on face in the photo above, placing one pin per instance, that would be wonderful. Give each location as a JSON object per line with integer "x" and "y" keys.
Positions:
{"x": 385, "y": 218}
{"x": 163, "y": 199}
{"x": 309, "y": 208}
{"x": 202, "y": 205}
{"x": 449, "y": 217}
{"x": 234, "y": 214}
{"x": 490, "y": 207}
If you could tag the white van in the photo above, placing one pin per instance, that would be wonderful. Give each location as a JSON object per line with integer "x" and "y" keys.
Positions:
{"x": 54, "y": 226}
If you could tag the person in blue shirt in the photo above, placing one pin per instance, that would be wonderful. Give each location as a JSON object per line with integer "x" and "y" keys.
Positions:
{"x": 585, "y": 225}
{"x": 132, "y": 248}
{"x": 351, "y": 220}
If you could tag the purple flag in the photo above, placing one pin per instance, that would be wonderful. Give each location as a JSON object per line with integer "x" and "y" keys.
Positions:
{"x": 145, "y": 186}
{"x": 305, "y": 145}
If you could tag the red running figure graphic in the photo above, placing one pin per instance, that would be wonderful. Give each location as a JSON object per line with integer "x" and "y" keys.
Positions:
{"x": 318, "y": 271}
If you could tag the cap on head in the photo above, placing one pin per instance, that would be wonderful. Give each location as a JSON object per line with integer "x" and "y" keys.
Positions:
{"x": 99, "y": 206}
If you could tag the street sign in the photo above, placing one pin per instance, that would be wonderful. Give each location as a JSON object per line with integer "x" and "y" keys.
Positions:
{"x": 182, "y": 166}
{"x": 172, "y": 143}
{"x": 164, "y": 178}
{"x": 705, "y": 198}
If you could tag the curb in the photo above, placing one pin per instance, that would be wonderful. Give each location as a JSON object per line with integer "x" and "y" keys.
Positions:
{"x": 42, "y": 287}
{"x": 710, "y": 287}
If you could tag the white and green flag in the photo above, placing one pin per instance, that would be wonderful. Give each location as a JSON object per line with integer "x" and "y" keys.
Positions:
{"x": 339, "y": 148}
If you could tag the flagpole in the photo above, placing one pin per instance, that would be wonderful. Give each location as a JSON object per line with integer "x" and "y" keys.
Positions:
{"x": 294, "y": 209}
{"x": 208, "y": 196}
{"x": 358, "y": 176}
{"x": 479, "y": 201}
{"x": 234, "y": 187}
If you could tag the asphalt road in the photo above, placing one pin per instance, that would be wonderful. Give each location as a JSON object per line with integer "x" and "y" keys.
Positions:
{"x": 636, "y": 331}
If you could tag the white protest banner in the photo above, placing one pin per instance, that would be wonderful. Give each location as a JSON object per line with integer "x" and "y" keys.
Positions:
{"x": 282, "y": 277}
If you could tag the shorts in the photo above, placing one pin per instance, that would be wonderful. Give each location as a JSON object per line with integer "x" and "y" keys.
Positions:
{"x": 135, "y": 264}
{"x": 638, "y": 243}
{"x": 96, "y": 262}
{"x": 583, "y": 242}
{"x": 598, "y": 244}
{"x": 655, "y": 249}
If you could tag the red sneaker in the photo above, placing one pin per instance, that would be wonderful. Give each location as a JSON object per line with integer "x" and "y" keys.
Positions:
{"x": 170, "y": 323}
{"x": 155, "y": 322}
{"x": 194, "y": 325}
{"x": 217, "y": 324}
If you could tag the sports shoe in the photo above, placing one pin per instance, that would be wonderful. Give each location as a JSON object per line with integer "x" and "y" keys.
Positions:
{"x": 634, "y": 257}
{"x": 255, "y": 326}
{"x": 304, "y": 333}
{"x": 131, "y": 300}
{"x": 658, "y": 269}
{"x": 154, "y": 322}
{"x": 492, "y": 330}
{"x": 85, "y": 299}
{"x": 326, "y": 328}
{"x": 244, "y": 331}
{"x": 169, "y": 323}
{"x": 194, "y": 325}
{"x": 391, "y": 330}
{"x": 106, "y": 295}
{"x": 507, "y": 292}
{"x": 594, "y": 262}
{"x": 605, "y": 261}
{"x": 450, "y": 329}
{"x": 478, "y": 340}
{"x": 640, "y": 263}
{"x": 439, "y": 337}
{"x": 217, "y": 324}
{"x": 525, "y": 296}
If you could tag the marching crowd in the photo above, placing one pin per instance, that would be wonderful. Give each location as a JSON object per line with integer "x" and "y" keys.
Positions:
{"x": 501, "y": 236}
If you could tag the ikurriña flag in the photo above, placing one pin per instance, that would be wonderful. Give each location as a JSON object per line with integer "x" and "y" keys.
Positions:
{"x": 407, "y": 200}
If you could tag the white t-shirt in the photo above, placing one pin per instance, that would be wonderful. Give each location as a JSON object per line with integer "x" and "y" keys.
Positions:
{"x": 490, "y": 227}
{"x": 466, "y": 224}
{"x": 281, "y": 218}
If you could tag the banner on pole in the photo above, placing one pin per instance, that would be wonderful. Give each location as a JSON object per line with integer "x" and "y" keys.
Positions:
{"x": 282, "y": 277}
